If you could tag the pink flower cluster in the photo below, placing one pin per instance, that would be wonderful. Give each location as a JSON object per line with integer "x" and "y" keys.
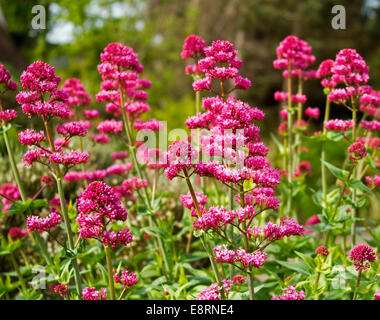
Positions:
{"x": 339, "y": 125}
{"x": 293, "y": 52}
{"x": 214, "y": 292}
{"x": 9, "y": 192}
{"x": 361, "y": 255}
{"x": 110, "y": 126}
{"x": 290, "y": 293}
{"x": 31, "y": 137}
{"x": 5, "y": 80}
{"x": 97, "y": 206}
{"x": 220, "y": 63}
{"x": 127, "y": 279}
{"x": 17, "y": 233}
{"x": 111, "y": 239}
{"x": 238, "y": 279}
{"x": 262, "y": 197}
{"x": 71, "y": 129}
{"x": 128, "y": 186}
{"x": 151, "y": 124}
{"x": 193, "y": 47}
{"x": 371, "y": 125}
{"x": 357, "y": 151}
{"x": 312, "y": 113}
{"x": 370, "y": 103}
{"x": 100, "y": 138}
{"x": 119, "y": 169}
{"x": 62, "y": 290}
{"x": 248, "y": 260}
{"x": 120, "y": 155}
{"x": 7, "y": 115}
{"x": 218, "y": 217}
{"x": 154, "y": 158}
{"x": 120, "y": 70}
{"x": 40, "y": 80}
{"x": 349, "y": 69}
{"x": 92, "y": 294}
{"x": 77, "y": 95}
{"x": 87, "y": 175}
{"x": 187, "y": 200}
{"x": 304, "y": 167}
{"x": 90, "y": 114}
{"x": 69, "y": 158}
{"x": 322, "y": 250}
{"x": 287, "y": 227}
{"x": 373, "y": 181}
{"x": 35, "y": 223}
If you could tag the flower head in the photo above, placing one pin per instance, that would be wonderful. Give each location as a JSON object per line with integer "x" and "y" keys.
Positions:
{"x": 17, "y": 233}
{"x": 7, "y": 115}
{"x": 290, "y": 293}
{"x": 62, "y": 290}
{"x": 322, "y": 250}
{"x": 192, "y": 47}
{"x": 77, "y": 95}
{"x": 5, "y": 80}
{"x": 127, "y": 279}
{"x": 92, "y": 294}
{"x": 35, "y": 223}
{"x": 357, "y": 151}
{"x": 361, "y": 255}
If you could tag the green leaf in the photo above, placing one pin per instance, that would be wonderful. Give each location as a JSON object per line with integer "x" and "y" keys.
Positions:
{"x": 298, "y": 266}
{"x": 334, "y": 136}
{"x": 338, "y": 173}
{"x": 357, "y": 184}
{"x": 279, "y": 145}
{"x": 39, "y": 203}
{"x": 103, "y": 271}
{"x": 20, "y": 207}
{"x": 342, "y": 213}
{"x": 248, "y": 184}
{"x": 308, "y": 260}
{"x": 5, "y": 129}
{"x": 317, "y": 198}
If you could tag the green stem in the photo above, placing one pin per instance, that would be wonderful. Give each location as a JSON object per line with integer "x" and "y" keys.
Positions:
{"x": 19, "y": 275}
{"x": 299, "y": 119}
{"x": 203, "y": 237}
{"x": 323, "y": 156}
{"x": 36, "y": 236}
{"x": 132, "y": 151}
{"x": 284, "y": 159}
{"x": 338, "y": 204}
{"x": 77, "y": 118}
{"x": 12, "y": 161}
{"x": 122, "y": 293}
{"x": 357, "y": 285}
{"x": 69, "y": 235}
{"x": 110, "y": 272}
{"x": 353, "y": 212}
{"x": 251, "y": 288}
{"x": 290, "y": 142}
{"x": 317, "y": 280}
{"x": 66, "y": 218}
{"x": 216, "y": 191}
{"x": 230, "y": 227}
{"x": 197, "y": 101}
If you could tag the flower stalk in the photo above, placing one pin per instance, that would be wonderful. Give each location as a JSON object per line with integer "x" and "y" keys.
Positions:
{"x": 111, "y": 284}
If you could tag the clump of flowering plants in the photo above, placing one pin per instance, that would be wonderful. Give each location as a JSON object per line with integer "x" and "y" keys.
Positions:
{"x": 214, "y": 215}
